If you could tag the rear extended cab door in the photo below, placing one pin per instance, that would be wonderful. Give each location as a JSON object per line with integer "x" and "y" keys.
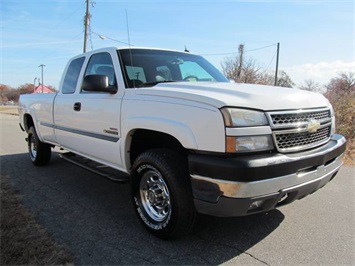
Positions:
{"x": 88, "y": 123}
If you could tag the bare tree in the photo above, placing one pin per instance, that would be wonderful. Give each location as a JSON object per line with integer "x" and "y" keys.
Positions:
{"x": 284, "y": 80}
{"x": 344, "y": 83}
{"x": 246, "y": 70}
{"x": 230, "y": 67}
{"x": 249, "y": 72}
{"x": 26, "y": 88}
{"x": 4, "y": 89}
{"x": 311, "y": 85}
{"x": 243, "y": 72}
{"x": 341, "y": 93}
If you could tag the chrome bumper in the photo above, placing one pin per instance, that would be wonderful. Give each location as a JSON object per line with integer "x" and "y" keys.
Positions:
{"x": 251, "y": 184}
{"x": 269, "y": 186}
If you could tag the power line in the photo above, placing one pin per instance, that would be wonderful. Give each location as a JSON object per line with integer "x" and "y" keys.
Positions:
{"x": 46, "y": 33}
{"x": 103, "y": 37}
{"x": 229, "y": 53}
{"x": 61, "y": 21}
{"x": 260, "y": 48}
{"x": 219, "y": 54}
{"x": 66, "y": 43}
{"x": 90, "y": 38}
{"x": 53, "y": 51}
{"x": 272, "y": 59}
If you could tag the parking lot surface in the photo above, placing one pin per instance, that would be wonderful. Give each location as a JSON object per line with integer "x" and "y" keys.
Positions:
{"x": 95, "y": 219}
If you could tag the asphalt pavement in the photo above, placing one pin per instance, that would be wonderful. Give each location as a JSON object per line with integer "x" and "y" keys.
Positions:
{"x": 94, "y": 218}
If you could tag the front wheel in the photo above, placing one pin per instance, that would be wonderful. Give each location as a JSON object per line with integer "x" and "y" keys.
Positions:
{"x": 161, "y": 192}
{"x": 40, "y": 153}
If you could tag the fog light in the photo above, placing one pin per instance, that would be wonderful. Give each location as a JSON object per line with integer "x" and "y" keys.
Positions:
{"x": 256, "y": 204}
{"x": 283, "y": 198}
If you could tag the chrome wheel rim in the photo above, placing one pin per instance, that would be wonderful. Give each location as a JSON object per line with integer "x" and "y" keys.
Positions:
{"x": 154, "y": 196}
{"x": 33, "y": 147}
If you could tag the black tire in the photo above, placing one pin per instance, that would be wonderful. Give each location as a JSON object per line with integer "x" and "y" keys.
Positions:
{"x": 40, "y": 153}
{"x": 162, "y": 195}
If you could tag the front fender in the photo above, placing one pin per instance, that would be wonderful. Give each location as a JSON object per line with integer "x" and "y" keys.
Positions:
{"x": 176, "y": 129}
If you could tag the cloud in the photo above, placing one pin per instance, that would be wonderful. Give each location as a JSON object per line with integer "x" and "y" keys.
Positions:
{"x": 321, "y": 72}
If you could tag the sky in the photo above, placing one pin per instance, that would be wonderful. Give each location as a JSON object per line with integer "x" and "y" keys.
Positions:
{"x": 317, "y": 37}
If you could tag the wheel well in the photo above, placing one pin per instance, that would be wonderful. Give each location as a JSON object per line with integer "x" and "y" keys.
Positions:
{"x": 143, "y": 140}
{"x": 28, "y": 122}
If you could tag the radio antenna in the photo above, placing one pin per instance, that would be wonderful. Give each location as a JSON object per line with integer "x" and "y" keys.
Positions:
{"x": 130, "y": 50}
{"x": 129, "y": 40}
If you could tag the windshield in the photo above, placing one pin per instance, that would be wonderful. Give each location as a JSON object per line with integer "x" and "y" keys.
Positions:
{"x": 144, "y": 68}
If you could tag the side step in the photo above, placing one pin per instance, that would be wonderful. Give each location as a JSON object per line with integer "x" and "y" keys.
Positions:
{"x": 97, "y": 168}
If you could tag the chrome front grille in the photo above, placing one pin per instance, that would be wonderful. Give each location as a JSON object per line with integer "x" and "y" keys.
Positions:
{"x": 292, "y": 130}
{"x": 301, "y": 140}
{"x": 295, "y": 118}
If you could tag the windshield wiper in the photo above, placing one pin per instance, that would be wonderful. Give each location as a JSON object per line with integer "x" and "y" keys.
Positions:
{"x": 153, "y": 83}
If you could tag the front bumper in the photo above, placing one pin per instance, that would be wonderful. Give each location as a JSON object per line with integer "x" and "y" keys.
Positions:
{"x": 250, "y": 184}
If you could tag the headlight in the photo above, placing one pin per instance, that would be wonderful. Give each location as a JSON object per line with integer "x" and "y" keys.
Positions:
{"x": 331, "y": 110}
{"x": 249, "y": 143}
{"x": 332, "y": 115}
{"x": 234, "y": 117}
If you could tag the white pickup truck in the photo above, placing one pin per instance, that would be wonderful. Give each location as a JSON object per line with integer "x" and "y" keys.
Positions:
{"x": 188, "y": 140}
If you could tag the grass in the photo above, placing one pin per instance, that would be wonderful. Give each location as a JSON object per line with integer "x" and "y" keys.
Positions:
{"x": 9, "y": 109}
{"x": 23, "y": 240}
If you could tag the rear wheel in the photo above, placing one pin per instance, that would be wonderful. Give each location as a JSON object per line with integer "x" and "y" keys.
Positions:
{"x": 162, "y": 194}
{"x": 40, "y": 153}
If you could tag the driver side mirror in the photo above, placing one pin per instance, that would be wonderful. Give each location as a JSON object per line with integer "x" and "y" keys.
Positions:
{"x": 98, "y": 83}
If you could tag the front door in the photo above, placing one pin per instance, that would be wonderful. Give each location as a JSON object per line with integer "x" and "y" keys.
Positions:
{"x": 93, "y": 127}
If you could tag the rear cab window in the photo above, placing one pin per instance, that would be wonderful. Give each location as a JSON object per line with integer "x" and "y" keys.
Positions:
{"x": 72, "y": 75}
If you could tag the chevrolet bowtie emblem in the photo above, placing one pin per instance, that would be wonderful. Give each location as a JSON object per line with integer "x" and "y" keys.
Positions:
{"x": 313, "y": 125}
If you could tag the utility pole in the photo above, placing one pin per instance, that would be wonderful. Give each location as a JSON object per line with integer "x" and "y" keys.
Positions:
{"x": 277, "y": 62}
{"x": 34, "y": 84}
{"x": 41, "y": 66}
{"x": 241, "y": 53}
{"x": 86, "y": 24}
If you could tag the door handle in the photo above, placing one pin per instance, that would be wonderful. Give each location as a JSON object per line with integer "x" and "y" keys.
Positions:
{"x": 77, "y": 107}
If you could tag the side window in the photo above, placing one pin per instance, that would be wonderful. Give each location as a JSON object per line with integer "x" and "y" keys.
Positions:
{"x": 71, "y": 77}
{"x": 102, "y": 64}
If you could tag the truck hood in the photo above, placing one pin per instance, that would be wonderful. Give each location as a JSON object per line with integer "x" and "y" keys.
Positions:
{"x": 220, "y": 94}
